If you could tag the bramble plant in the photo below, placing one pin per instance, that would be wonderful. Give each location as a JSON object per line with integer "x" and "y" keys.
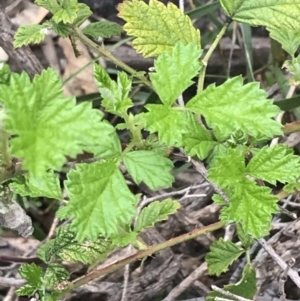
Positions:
{"x": 41, "y": 127}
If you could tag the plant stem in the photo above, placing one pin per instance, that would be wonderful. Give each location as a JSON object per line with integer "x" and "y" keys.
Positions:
{"x": 144, "y": 253}
{"x": 208, "y": 55}
{"x": 103, "y": 52}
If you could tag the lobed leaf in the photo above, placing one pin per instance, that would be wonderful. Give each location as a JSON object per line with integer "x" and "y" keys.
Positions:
{"x": 174, "y": 71}
{"x": 34, "y": 276}
{"x": 150, "y": 168}
{"x": 155, "y": 212}
{"x": 46, "y": 125}
{"x": 253, "y": 206}
{"x": 28, "y": 34}
{"x": 66, "y": 247}
{"x": 67, "y": 12}
{"x": 55, "y": 274}
{"x": 288, "y": 38}
{"x": 157, "y": 27}
{"x": 222, "y": 254}
{"x": 273, "y": 164}
{"x": 280, "y": 14}
{"x": 100, "y": 200}
{"x": 228, "y": 169}
{"x": 115, "y": 95}
{"x": 233, "y": 105}
{"x": 170, "y": 123}
{"x": 45, "y": 186}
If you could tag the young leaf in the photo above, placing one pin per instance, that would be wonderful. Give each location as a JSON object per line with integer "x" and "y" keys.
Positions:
{"x": 155, "y": 212}
{"x": 293, "y": 67}
{"x": 115, "y": 95}
{"x": 55, "y": 274}
{"x": 150, "y": 168}
{"x": 280, "y": 14}
{"x": 67, "y": 13}
{"x": 228, "y": 169}
{"x": 222, "y": 254}
{"x": 174, "y": 72}
{"x": 170, "y": 123}
{"x": 288, "y": 38}
{"x": 34, "y": 275}
{"x": 46, "y": 186}
{"x": 28, "y": 34}
{"x": 104, "y": 29}
{"x": 245, "y": 288}
{"x": 47, "y": 126}
{"x": 66, "y": 247}
{"x": 48, "y": 5}
{"x": 157, "y": 27}
{"x": 83, "y": 12}
{"x": 109, "y": 204}
{"x": 233, "y": 105}
{"x": 273, "y": 164}
{"x": 253, "y": 206}
{"x": 197, "y": 141}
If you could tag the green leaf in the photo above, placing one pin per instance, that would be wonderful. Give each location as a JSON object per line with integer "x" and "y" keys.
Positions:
{"x": 280, "y": 14}
{"x": 222, "y": 254}
{"x": 26, "y": 290}
{"x": 28, "y": 34}
{"x": 150, "y": 168}
{"x": 5, "y": 73}
{"x": 157, "y": 27}
{"x": 47, "y": 126}
{"x": 155, "y": 212}
{"x": 60, "y": 28}
{"x": 170, "y": 123}
{"x": 253, "y": 206}
{"x": 293, "y": 67}
{"x": 292, "y": 187}
{"x": 233, "y": 105}
{"x": 115, "y": 95}
{"x": 83, "y": 12}
{"x": 32, "y": 273}
{"x": 289, "y": 39}
{"x": 67, "y": 13}
{"x": 246, "y": 239}
{"x": 44, "y": 186}
{"x": 55, "y": 274}
{"x": 228, "y": 169}
{"x": 246, "y": 287}
{"x": 168, "y": 82}
{"x": 66, "y": 247}
{"x": 273, "y": 164}
{"x": 197, "y": 141}
{"x": 48, "y": 5}
{"x": 108, "y": 144}
{"x": 104, "y": 29}
{"x": 100, "y": 200}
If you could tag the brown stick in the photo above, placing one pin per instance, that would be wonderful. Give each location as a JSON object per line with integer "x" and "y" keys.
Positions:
{"x": 23, "y": 56}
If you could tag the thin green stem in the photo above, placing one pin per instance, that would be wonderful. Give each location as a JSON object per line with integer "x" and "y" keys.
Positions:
{"x": 208, "y": 55}
{"x": 103, "y": 52}
{"x": 144, "y": 253}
